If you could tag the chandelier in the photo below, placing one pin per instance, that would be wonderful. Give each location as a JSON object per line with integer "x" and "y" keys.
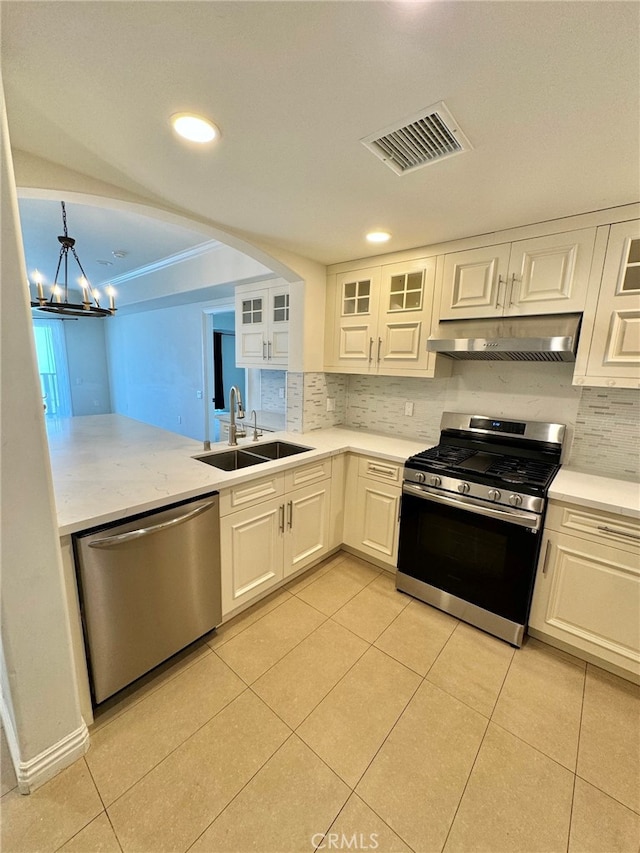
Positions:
{"x": 58, "y": 301}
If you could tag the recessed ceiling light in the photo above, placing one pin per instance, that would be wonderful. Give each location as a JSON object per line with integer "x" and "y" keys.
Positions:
{"x": 194, "y": 128}
{"x": 378, "y": 236}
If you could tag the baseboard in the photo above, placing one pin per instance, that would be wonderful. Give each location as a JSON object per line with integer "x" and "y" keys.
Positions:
{"x": 369, "y": 558}
{"x": 35, "y": 772}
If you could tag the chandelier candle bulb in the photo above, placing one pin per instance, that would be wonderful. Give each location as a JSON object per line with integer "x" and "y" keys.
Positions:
{"x": 37, "y": 277}
{"x": 112, "y": 298}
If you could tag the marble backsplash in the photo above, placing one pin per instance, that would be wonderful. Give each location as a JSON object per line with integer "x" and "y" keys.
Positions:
{"x": 271, "y": 381}
{"x": 603, "y": 433}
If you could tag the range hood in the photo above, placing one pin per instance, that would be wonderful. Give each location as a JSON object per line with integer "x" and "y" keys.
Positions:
{"x": 553, "y": 337}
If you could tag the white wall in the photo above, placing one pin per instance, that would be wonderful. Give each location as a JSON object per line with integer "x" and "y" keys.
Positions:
{"x": 155, "y": 367}
{"x": 40, "y": 707}
{"x": 87, "y": 362}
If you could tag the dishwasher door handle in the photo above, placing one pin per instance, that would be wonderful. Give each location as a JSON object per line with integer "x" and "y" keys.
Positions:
{"x": 122, "y": 538}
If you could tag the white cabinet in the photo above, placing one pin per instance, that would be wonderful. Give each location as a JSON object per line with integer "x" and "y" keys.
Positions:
{"x": 262, "y": 327}
{"x": 372, "y": 504}
{"x": 587, "y": 594}
{"x": 379, "y": 318}
{"x": 542, "y": 275}
{"x": 271, "y": 528}
{"x": 610, "y": 350}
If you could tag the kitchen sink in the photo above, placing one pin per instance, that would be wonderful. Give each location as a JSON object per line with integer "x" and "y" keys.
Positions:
{"x": 233, "y": 460}
{"x": 278, "y": 449}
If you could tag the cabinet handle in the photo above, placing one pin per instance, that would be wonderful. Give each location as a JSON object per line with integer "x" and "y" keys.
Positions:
{"x": 500, "y": 280}
{"x": 290, "y": 515}
{"x": 545, "y": 564}
{"x": 281, "y": 511}
{"x": 386, "y": 472}
{"x": 379, "y": 345}
{"x": 619, "y": 532}
{"x": 269, "y": 350}
{"x": 513, "y": 286}
{"x": 264, "y": 350}
{"x": 370, "y": 350}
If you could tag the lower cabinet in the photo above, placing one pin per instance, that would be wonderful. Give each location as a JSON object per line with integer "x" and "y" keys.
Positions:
{"x": 372, "y": 504}
{"x": 270, "y": 539}
{"x": 587, "y": 593}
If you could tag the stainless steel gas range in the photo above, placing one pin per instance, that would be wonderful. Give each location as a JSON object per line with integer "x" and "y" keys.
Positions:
{"x": 471, "y": 519}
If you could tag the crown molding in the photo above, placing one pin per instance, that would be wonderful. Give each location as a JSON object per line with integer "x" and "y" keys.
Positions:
{"x": 169, "y": 261}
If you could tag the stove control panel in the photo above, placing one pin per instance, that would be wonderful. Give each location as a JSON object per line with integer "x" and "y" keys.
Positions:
{"x": 444, "y": 483}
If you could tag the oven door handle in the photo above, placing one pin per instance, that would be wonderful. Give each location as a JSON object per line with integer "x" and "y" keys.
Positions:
{"x": 509, "y": 516}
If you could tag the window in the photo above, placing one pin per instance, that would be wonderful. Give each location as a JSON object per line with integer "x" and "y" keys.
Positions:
{"x": 52, "y": 367}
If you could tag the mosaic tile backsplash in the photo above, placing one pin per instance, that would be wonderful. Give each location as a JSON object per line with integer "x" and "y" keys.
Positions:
{"x": 603, "y": 432}
{"x": 607, "y": 438}
{"x": 271, "y": 381}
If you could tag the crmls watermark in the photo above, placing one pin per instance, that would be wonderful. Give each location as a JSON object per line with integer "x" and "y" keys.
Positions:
{"x": 341, "y": 841}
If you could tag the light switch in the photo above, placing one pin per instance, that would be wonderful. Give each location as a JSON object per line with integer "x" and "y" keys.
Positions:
{"x": 408, "y": 409}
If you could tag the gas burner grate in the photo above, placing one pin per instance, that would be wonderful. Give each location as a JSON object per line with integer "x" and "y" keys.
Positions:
{"x": 518, "y": 470}
{"x": 445, "y": 456}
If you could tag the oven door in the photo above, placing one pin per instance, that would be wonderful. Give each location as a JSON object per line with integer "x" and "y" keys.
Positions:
{"x": 478, "y": 552}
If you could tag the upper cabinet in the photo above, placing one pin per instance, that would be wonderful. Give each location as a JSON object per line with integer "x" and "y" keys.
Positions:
{"x": 262, "y": 326}
{"x": 609, "y": 352}
{"x": 379, "y": 318}
{"x": 542, "y": 275}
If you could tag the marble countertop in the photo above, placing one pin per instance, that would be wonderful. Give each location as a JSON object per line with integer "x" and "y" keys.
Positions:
{"x": 107, "y": 467}
{"x": 621, "y": 496}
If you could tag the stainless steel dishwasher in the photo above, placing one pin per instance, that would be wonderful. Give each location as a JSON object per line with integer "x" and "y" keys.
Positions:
{"x": 149, "y": 586}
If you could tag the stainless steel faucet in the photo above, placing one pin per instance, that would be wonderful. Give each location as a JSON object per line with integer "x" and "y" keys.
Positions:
{"x": 256, "y": 434}
{"x": 235, "y": 399}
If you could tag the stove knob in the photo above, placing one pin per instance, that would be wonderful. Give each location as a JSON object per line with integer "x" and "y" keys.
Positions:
{"x": 494, "y": 495}
{"x": 463, "y": 488}
{"x": 420, "y": 477}
{"x": 434, "y": 480}
{"x": 515, "y": 500}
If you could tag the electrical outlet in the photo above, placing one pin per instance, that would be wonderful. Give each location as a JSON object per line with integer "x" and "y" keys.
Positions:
{"x": 199, "y": 395}
{"x": 408, "y": 409}
{"x": 331, "y": 404}
{"x": 281, "y": 393}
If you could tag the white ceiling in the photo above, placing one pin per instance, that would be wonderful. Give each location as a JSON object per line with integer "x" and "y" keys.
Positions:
{"x": 98, "y": 232}
{"x": 548, "y": 94}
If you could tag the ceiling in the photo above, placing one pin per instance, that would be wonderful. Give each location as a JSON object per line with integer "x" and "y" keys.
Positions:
{"x": 547, "y": 93}
{"x": 98, "y": 232}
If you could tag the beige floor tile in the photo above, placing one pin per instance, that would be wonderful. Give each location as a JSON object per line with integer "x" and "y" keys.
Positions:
{"x": 609, "y": 754}
{"x": 517, "y": 800}
{"x": 350, "y": 724}
{"x": 541, "y": 702}
{"x": 357, "y": 821}
{"x": 238, "y": 624}
{"x": 174, "y": 803}
{"x": 149, "y": 683}
{"x": 7, "y": 772}
{"x": 264, "y": 643}
{"x": 600, "y": 823}
{"x": 52, "y": 814}
{"x": 97, "y": 837}
{"x": 373, "y": 609}
{"x": 417, "y": 636}
{"x": 298, "y": 682}
{"x": 336, "y": 587}
{"x": 123, "y": 751}
{"x": 293, "y": 799}
{"x": 416, "y": 780}
{"x": 303, "y": 580}
{"x": 472, "y": 667}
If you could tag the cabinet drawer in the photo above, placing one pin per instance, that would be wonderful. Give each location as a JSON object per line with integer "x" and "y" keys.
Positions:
{"x": 247, "y": 494}
{"x": 306, "y": 474}
{"x": 597, "y": 525}
{"x": 380, "y": 469}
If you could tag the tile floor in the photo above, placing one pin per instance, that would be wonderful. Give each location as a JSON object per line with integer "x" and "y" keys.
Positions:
{"x": 340, "y": 706}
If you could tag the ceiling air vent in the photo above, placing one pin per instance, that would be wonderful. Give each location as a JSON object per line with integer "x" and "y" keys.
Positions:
{"x": 419, "y": 140}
